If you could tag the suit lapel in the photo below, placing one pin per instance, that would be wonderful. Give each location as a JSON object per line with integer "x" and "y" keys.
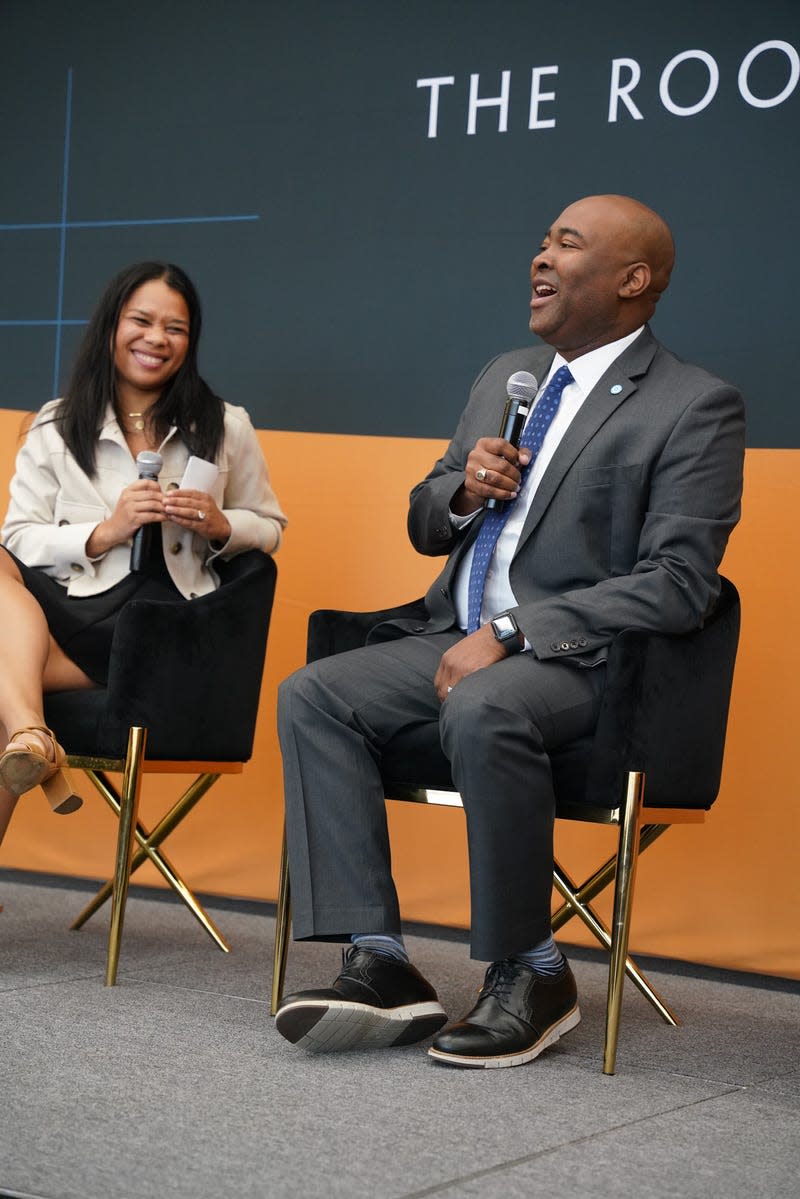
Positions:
{"x": 598, "y": 406}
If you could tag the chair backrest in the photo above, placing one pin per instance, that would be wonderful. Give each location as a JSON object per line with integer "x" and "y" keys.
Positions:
{"x": 665, "y": 711}
{"x": 188, "y": 672}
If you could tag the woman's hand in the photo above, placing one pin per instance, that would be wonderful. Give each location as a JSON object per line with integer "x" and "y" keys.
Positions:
{"x": 142, "y": 503}
{"x": 198, "y": 511}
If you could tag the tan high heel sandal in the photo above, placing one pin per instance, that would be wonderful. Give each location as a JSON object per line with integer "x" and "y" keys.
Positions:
{"x": 24, "y": 768}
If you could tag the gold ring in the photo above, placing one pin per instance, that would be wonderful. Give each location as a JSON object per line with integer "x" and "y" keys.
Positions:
{"x": 201, "y": 515}
{"x": 480, "y": 474}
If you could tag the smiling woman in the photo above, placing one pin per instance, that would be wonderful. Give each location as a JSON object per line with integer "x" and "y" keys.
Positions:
{"x": 150, "y": 345}
{"x": 79, "y": 498}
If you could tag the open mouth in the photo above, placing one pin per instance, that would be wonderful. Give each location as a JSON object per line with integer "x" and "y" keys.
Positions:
{"x": 541, "y": 293}
{"x": 147, "y": 360}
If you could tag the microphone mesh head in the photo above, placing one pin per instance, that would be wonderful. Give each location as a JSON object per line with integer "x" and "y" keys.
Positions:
{"x": 149, "y": 463}
{"x": 522, "y": 385}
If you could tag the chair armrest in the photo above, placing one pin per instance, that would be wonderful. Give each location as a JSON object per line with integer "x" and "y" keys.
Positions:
{"x": 332, "y": 632}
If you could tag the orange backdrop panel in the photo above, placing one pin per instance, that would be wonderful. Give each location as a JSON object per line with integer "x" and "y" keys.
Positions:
{"x": 724, "y": 893}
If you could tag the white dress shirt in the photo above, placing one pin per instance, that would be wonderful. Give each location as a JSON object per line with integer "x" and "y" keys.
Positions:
{"x": 498, "y": 595}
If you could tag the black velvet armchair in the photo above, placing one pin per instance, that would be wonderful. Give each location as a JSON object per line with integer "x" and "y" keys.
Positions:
{"x": 663, "y": 719}
{"x": 182, "y": 697}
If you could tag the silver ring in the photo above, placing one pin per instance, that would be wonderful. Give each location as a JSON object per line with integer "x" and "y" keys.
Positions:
{"x": 200, "y": 515}
{"x": 480, "y": 474}
{"x": 449, "y": 689}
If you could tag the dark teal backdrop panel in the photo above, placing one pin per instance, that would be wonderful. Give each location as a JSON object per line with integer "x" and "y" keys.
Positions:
{"x": 358, "y": 188}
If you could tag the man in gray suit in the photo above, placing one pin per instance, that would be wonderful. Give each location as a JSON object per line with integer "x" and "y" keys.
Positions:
{"x": 615, "y": 512}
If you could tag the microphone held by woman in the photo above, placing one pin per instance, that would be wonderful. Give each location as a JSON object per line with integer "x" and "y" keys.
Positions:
{"x": 146, "y": 551}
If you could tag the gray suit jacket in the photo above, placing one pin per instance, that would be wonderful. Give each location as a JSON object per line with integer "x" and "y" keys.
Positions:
{"x": 630, "y": 521}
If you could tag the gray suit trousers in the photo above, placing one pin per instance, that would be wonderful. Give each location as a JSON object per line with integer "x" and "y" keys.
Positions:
{"x": 496, "y": 728}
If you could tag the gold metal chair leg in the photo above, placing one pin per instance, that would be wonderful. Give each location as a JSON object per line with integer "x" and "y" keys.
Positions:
{"x": 148, "y": 850}
{"x": 601, "y": 878}
{"x": 131, "y": 789}
{"x": 572, "y": 895}
{"x": 623, "y": 902}
{"x": 283, "y": 917}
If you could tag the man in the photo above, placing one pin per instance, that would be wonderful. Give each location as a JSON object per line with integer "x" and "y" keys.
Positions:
{"x": 617, "y": 508}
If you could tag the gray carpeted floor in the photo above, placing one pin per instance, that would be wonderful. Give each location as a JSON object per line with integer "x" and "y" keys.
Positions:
{"x": 175, "y": 1085}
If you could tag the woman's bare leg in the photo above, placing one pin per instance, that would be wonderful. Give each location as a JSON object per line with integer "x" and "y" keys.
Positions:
{"x": 32, "y": 664}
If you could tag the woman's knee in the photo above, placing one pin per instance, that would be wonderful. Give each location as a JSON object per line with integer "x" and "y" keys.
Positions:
{"x": 8, "y": 566}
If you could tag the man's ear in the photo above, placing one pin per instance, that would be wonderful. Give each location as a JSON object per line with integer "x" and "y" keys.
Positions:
{"x": 636, "y": 281}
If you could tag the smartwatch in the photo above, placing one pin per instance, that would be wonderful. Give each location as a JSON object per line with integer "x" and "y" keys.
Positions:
{"x": 506, "y": 631}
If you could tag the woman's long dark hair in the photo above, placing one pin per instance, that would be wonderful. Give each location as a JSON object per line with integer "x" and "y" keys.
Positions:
{"x": 186, "y": 401}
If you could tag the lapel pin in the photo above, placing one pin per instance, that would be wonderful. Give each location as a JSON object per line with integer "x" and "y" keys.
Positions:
{"x": 616, "y": 389}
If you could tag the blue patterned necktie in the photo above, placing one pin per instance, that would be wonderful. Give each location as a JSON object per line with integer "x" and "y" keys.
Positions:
{"x": 532, "y": 437}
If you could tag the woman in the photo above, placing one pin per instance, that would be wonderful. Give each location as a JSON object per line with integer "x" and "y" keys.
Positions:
{"x": 77, "y": 502}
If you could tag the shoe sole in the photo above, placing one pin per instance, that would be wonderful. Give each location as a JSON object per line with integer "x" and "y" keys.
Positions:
{"x": 553, "y": 1034}
{"x": 21, "y": 771}
{"x": 329, "y": 1025}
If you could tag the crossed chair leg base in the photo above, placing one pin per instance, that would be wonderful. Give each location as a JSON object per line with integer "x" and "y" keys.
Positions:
{"x": 125, "y": 804}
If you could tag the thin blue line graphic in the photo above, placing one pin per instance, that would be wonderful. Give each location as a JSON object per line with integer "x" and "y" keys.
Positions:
{"x": 63, "y": 246}
{"x": 167, "y": 220}
{"x": 59, "y": 322}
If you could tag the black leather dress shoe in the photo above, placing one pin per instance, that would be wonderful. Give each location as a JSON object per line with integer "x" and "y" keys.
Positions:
{"x": 518, "y": 1014}
{"x": 375, "y": 1001}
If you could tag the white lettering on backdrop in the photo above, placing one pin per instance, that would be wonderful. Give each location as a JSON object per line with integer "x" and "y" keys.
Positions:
{"x": 625, "y": 77}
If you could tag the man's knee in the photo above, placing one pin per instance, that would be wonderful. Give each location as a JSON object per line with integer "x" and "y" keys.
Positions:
{"x": 473, "y": 715}
{"x": 299, "y": 688}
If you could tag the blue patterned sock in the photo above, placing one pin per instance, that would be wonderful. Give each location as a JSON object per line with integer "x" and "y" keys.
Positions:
{"x": 545, "y": 958}
{"x": 389, "y": 944}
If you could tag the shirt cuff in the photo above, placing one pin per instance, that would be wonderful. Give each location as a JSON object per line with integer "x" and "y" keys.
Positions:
{"x": 461, "y": 522}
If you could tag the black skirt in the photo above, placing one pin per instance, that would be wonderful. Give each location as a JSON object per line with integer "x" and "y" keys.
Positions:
{"x": 84, "y": 626}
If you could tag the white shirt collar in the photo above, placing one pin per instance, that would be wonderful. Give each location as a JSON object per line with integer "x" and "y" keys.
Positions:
{"x": 590, "y": 368}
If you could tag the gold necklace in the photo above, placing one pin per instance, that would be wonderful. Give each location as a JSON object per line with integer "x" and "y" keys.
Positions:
{"x": 138, "y": 420}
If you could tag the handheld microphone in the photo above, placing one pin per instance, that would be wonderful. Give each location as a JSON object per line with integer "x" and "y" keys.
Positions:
{"x": 146, "y": 549}
{"x": 521, "y": 388}
{"x": 150, "y": 464}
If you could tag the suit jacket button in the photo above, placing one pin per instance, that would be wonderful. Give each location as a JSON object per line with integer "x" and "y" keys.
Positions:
{"x": 443, "y": 531}
{"x": 419, "y": 628}
{"x": 175, "y": 548}
{"x": 555, "y": 646}
{"x": 574, "y": 643}
{"x": 564, "y": 645}
{"x": 582, "y": 642}
{"x": 192, "y": 595}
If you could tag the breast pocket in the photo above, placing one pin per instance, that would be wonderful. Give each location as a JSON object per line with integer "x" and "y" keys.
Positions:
{"x": 613, "y": 505}
{"x": 68, "y": 512}
{"x": 611, "y": 476}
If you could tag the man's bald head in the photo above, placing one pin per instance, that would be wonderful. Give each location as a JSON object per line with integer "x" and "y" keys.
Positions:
{"x": 600, "y": 272}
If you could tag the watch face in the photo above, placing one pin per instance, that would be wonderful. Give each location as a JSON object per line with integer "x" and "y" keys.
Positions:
{"x": 504, "y": 628}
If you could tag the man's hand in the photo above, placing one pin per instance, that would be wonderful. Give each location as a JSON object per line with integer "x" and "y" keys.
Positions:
{"x": 476, "y": 651}
{"x": 492, "y": 472}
